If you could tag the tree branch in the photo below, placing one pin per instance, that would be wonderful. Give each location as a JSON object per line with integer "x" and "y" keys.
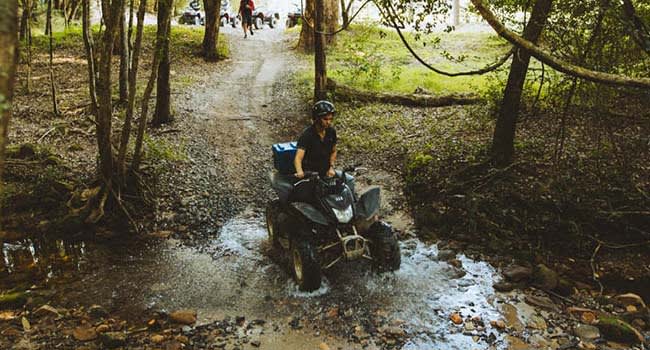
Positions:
{"x": 557, "y": 64}
{"x": 486, "y": 69}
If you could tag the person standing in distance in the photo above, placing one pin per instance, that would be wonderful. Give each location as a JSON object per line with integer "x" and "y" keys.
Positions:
{"x": 246, "y": 8}
{"x": 317, "y": 143}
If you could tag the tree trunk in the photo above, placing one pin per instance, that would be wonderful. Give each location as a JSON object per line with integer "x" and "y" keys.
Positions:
{"x": 8, "y": 54}
{"x": 24, "y": 18}
{"x": 48, "y": 19}
{"x": 331, "y": 13}
{"x": 307, "y": 30}
{"x": 345, "y": 12}
{"x": 133, "y": 73}
{"x": 162, "y": 112}
{"x": 105, "y": 110}
{"x": 320, "y": 83}
{"x": 557, "y": 64}
{"x": 455, "y": 13}
{"x": 211, "y": 35}
{"x": 55, "y": 106}
{"x": 504, "y": 132}
{"x": 124, "y": 59}
{"x": 90, "y": 56}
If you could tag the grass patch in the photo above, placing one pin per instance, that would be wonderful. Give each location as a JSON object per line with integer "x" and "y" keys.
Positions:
{"x": 372, "y": 58}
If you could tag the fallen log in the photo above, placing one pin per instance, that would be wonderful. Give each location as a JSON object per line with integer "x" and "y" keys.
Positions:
{"x": 346, "y": 93}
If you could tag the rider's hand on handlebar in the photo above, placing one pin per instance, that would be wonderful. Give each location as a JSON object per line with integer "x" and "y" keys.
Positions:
{"x": 331, "y": 172}
{"x": 299, "y": 174}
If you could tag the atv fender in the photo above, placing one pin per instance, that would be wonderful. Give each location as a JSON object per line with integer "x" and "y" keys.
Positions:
{"x": 368, "y": 204}
{"x": 310, "y": 212}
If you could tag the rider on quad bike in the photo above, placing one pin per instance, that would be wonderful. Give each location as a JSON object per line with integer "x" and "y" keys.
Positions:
{"x": 318, "y": 218}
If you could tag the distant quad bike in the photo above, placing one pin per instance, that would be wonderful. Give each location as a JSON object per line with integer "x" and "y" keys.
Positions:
{"x": 192, "y": 14}
{"x": 293, "y": 17}
{"x": 262, "y": 15}
{"x": 319, "y": 222}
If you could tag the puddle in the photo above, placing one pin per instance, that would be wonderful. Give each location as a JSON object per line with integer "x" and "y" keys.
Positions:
{"x": 234, "y": 275}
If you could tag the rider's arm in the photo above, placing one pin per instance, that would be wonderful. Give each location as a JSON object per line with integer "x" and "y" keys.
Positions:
{"x": 297, "y": 163}
{"x": 332, "y": 161}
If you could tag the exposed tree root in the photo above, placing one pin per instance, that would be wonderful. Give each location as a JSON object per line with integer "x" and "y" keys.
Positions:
{"x": 346, "y": 93}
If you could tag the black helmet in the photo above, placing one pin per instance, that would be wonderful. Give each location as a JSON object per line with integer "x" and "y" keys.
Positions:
{"x": 322, "y": 108}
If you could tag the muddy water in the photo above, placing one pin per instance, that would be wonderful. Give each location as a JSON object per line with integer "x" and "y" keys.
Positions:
{"x": 234, "y": 275}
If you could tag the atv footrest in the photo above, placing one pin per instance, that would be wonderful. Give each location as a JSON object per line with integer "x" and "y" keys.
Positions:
{"x": 354, "y": 246}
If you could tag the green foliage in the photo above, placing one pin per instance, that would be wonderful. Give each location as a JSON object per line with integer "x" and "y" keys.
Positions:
{"x": 371, "y": 58}
{"x": 159, "y": 151}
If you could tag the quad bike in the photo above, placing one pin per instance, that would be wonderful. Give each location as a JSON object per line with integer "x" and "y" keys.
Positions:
{"x": 319, "y": 222}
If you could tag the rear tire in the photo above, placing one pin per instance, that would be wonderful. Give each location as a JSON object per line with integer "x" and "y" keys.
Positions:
{"x": 305, "y": 265}
{"x": 384, "y": 248}
{"x": 257, "y": 23}
{"x": 273, "y": 22}
{"x": 272, "y": 211}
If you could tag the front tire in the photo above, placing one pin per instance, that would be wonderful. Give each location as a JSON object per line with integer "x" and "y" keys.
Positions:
{"x": 305, "y": 265}
{"x": 272, "y": 211}
{"x": 384, "y": 248}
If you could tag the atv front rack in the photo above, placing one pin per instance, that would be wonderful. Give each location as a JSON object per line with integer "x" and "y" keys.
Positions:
{"x": 354, "y": 247}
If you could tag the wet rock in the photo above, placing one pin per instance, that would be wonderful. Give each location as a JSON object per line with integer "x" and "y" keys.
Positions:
{"x": 587, "y": 346}
{"x": 618, "y": 330}
{"x": 157, "y": 338}
{"x": 503, "y": 286}
{"x": 182, "y": 339}
{"x": 586, "y": 332}
{"x": 545, "y": 278}
{"x": 456, "y": 318}
{"x": 536, "y": 322}
{"x": 456, "y": 263}
{"x": 256, "y": 343}
{"x": 333, "y": 312}
{"x": 446, "y": 254}
{"x": 112, "y": 340}
{"x": 394, "y": 332}
{"x": 511, "y": 317}
{"x": 498, "y": 324}
{"x": 84, "y": 334}
{"x": 630, "y": 299}
{"x": 541, "y": 301}
{"x": 102, "y": 328}
{"x": 517, "y": 273}
{"x": 183, "y": 316}
{"x": 97, "y": 311}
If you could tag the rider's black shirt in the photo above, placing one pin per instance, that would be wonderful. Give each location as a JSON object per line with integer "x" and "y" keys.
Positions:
{"x": 317, "y": 151}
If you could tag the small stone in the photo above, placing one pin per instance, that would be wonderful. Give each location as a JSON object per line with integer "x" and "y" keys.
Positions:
{"x": 631, "y": 308}
{"x": 503, "y": 286}
{"x": 456, "y": 318}
{"x": 157, "y": 338}
{"x": 395, "y": 332}
{"x": 498, "y": 324}
{"x": 545, "y": 278}
{"x": 586, "y": 346}
{"x": 112, "y": 340}
{"x": 97, "y": 311}
{"x": 333, "y": 312}
{"x": 517, "y": 273}
{"x": 182, "y": 339}
{"x": 84, "y": 334}
{"x": 256, "y": 343}
{"x": 446, "y": 254}
{"x": 586, "y": 332}
{"x": 102, "y": 328}
{"x": 183, "y": 316}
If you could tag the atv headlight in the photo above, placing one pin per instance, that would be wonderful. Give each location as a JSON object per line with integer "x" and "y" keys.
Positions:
{"x": 343, "y": 216}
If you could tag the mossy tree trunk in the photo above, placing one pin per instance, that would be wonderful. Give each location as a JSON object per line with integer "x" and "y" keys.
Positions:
{"x": 162, "y": 113}
{"x": 8, "y": 53}
{"x": 211, "y": 35}
{"x": 506, "y": 125}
